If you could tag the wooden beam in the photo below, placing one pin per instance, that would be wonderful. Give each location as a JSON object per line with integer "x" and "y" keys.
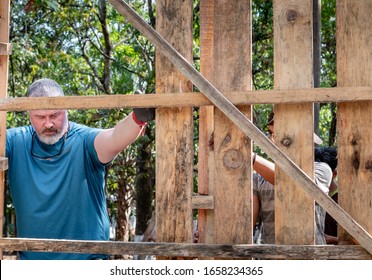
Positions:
{"x": 5, "y": 48}
{"x": 232, "y": 148}
{"x": 292, "y": 96}
{"x": 354, "y": 67}
{"x": 220, "y": 101}
{"x": 3, "y": 163}
{"x": 206, "y": 160}
{"x": 4, "y": 61}
{"x": 293, "y": 68}
{"x": 202, "y": 202}
{"x": 174, "y": 139}
{"x": 245, "y": 251}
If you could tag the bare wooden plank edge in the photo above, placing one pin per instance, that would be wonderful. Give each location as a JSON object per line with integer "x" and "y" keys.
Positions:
{"x": 347, "y": 252}
{"x": 3, "y": 163}
{"x": 202, "y": 202}
{"x": 239, "y": 119}
{"x": 340, "y": 94}
{"x": 5, "y": 48}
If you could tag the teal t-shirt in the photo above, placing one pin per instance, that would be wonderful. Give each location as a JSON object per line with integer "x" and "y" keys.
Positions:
{"x": 57, "y": 190}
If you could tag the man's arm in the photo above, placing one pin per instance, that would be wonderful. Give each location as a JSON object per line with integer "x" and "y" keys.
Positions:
{"x": 110, "y": 142}
{"x": 265, "y": 168}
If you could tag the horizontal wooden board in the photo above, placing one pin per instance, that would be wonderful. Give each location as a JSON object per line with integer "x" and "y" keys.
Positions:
{"x": 188, "y": 249}
{"x": 340, "y": 94}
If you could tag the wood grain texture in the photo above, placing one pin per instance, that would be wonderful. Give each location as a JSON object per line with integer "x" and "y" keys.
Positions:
{"x": 174, "y": 129}
{"x": 232, "y": 148}
{"x": 5, "y": 48}
{"x": 4, "y": 61}
{"x": 170, "y": 100}
{"x": 206, "y": 123}
{"x": 354, "y": 67}
{"x": 288, "y": 252}
{"x": 293, "y": 64}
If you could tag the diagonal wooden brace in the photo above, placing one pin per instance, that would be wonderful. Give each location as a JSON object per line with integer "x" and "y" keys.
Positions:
{"x": 239, "y": 119}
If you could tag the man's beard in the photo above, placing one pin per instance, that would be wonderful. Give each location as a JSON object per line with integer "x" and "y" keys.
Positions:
{"x": 50, "y": 140}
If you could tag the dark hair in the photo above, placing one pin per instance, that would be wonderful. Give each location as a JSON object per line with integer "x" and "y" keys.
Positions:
{"x": 327, "y": 155}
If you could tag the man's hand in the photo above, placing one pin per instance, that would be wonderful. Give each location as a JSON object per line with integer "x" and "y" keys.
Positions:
{"x": 143, "y": 114}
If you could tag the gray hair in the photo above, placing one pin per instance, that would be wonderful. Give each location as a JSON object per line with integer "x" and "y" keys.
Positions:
{"x": 45, "y": 88}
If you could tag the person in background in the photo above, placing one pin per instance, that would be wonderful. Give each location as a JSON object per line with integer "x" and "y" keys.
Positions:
{"x": 57, "y": 173}
{"x": 325, "y": 170}
{"x": 264, "y": 191}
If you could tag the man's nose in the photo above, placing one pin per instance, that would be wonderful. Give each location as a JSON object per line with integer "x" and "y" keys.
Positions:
{"x": 49, "y": 123}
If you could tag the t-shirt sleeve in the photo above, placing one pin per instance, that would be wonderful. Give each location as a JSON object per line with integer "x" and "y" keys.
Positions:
{"x": 323, "y": 176}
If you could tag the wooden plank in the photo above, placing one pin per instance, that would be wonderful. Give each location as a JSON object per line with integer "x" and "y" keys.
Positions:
{"x": 239, "y": 119}
{"x": 354, "y": 68}
{"x": 3, "y": 163}
{"x": 293, "y": 64}
{"x": 206, "y": 123}
{"x": 202, "y": 202}
{"x": 4, "y": 61}
{"x": 292, "y": 96}
{"x": 5, "y": 48}
{"x": 174, "y": 129}
{"x": 188, "y": 249}
{"x": 232, "y": 148}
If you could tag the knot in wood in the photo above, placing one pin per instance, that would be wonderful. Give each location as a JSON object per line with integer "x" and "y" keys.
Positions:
{"x": 355, "y": 160}
{"x": 286, "y": 141}
{"x": 368, "y": 165}
{"x": 292, "y": 15}
{"x": 233, "y": 159}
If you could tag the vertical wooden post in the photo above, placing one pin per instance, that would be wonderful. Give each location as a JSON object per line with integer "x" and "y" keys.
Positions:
{"x": 206, "y": 123}
{"x": 4, "y": 38}
{"x": 174, "y": 128}
{"x": 354, "y": 68}
{"x": 231, "y": 71}
{"x": 293, "y": 64}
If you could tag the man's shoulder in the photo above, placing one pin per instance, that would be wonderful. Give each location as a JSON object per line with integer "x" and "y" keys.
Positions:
{"x": 81, "y": 128}
{"x": 21, "y": 131}
{"x": 82, "y": 132}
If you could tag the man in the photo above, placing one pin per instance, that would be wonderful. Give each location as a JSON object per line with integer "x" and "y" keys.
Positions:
{"x": 57, "y": 173}
{"x": 264, "y": 195}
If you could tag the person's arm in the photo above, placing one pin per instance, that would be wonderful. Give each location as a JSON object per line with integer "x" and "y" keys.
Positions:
{"x": 110, "y": 142}
{"x": 264, "y": 167}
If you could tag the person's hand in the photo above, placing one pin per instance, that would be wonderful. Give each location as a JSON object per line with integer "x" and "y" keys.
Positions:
{"x": 143, "y": 115}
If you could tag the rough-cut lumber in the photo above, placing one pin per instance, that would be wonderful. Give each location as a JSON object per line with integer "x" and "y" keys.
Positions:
{"x": 174, "y": 139}
{"x": 206, "y": 160}
{"x": 5, "y": 48}
{"x": 293, "y": 65}
{"x": 293, "y": 96}
{"x": 220, "y": 101}
{"x": 188, "y": 249}
{"x": 202, "y": 202}
{"x": 354, "y": 67}
{"x": 4, "y": 61}
{"x": 3, "y": 163}
{"x": 232, "y": 148}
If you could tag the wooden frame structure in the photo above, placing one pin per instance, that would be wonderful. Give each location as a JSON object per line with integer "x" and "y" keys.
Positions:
{"x": 225, "y": 186}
